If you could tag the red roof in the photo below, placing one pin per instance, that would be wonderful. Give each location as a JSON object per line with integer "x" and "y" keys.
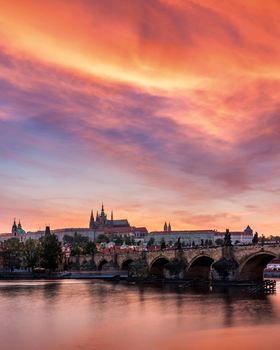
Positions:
{"x": 140, "y": 229}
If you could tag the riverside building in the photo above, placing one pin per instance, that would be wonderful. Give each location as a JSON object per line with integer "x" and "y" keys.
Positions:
{"x": 198, "y": 237}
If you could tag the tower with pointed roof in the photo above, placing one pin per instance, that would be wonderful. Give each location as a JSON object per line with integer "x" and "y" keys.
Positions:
{"x": 91, "y": 221}
{"x": 248, "y": 230}
{"x": 103, "y": 216}
{"x": 165, "y": 227}
{"x": 169, "y": 227}
{"x": 102, "y": 221}
{"x": 14, "y": 228}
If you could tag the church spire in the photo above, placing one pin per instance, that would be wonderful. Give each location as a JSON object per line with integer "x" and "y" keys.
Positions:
{"x": 103, "y": 216}
{"x": 165, "y": 227}
{"x": 91, "y": 220}
{"x": 169, "y": 227}
{"x": 102, "y": 210}
{"x": 14, "y": 228}
{"x": 112, "y": 216}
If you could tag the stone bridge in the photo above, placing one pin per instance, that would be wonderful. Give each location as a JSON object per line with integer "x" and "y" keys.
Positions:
{"x": 229, "y": 263}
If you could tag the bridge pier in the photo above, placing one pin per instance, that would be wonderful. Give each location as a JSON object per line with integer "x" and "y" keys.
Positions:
{"x": 225, "y": 269}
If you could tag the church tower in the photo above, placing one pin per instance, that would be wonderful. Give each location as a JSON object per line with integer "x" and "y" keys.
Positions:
{"x": 103, "y": 216}
{"x": 169, "y": 227}
{"x": 91, "y": 221}
{"x": 14, "y": 228}
{"x": 165, "y": 227}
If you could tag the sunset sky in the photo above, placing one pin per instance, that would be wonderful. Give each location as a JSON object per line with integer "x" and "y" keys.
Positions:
{"x": 165, "y": 110}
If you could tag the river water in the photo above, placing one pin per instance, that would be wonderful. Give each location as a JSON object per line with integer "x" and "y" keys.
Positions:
{"x": 88, "y": 315}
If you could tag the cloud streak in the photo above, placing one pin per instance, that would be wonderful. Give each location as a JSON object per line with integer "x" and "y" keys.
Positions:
{"x": 177, "y": 96}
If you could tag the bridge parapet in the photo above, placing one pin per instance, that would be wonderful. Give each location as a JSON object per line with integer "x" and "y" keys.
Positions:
{"x": 242, "y": 253}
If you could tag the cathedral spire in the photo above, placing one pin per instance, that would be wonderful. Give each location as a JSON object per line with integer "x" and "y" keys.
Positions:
{"x": 165, "y": 227}
{"x": 169, "y": 227}
{"x": 91, "y": 220}
{"x": 112, "y": 216}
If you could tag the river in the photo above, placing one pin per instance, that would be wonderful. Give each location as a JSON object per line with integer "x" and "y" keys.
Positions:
{"x": 87, "y": 315}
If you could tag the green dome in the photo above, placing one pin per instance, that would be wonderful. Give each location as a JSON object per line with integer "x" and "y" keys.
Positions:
{"x": 20, "y": 232}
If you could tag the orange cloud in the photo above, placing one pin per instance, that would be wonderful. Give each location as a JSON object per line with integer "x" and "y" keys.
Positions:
{"x": 151, "y": 45}
{"x": 181, "y": 94}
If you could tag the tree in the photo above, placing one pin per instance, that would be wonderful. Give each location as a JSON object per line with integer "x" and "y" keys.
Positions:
{"x": 31, "y": 253}
{"x": 90, "y": 248}
{"x": 118, "y": 241}
{"x": 51, "y": 252}
{"x": 75, "y": 250}
{"x": 151, "y": 242}
{"x": 219, "y": 241}
{"x": 12, "y": 253}
{"x": 129, "y": 240}
{"x": 102, "y": 239}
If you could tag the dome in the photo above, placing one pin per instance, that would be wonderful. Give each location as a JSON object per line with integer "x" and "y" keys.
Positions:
{"x": 20, "y": 232}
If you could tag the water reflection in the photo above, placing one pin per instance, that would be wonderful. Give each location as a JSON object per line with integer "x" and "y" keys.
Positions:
{"x": 95, "y": 315}
{"x": 51, "y": 291}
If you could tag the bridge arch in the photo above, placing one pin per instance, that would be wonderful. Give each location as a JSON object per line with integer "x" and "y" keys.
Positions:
{"x": 125, "y": 264}
{"x": 157, "y": 266}
{"x": 199, "y": 267}
{"x": 252, "y": 268}
{"x": 101, "y": 264}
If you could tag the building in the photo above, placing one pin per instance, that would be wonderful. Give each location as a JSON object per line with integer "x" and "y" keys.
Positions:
{"x": 242, "y": 237}
{"x": 102, "y": 222}
{"x": 18, "y": 231}
{"x": 99, "y": 225}
{"x": 274, "y": 265}
{"x": 187, "y": 238}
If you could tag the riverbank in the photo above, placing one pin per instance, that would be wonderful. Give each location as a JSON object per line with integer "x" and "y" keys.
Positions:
{"x": 110, "y": 275}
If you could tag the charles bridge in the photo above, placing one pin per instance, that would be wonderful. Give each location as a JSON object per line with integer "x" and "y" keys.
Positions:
{"x": 220, "y": 263}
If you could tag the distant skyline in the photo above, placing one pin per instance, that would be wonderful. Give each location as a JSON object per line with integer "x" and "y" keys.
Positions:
{"x": 164, "y": 110}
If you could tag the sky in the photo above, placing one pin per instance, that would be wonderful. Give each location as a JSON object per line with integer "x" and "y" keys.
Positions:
{"x": 164, "y": 110}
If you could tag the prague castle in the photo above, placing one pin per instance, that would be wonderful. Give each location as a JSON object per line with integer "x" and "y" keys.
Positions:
{"x": 101, "y": 221}
{"x": 99, "y": 225}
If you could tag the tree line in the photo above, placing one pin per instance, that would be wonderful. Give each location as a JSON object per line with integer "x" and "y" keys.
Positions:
{"x": 44, "y": 253}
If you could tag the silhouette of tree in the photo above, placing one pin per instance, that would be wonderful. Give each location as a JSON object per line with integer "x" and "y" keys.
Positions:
{"x": 31, "y": 253}
{"x": 12, "y": 253}
{"x": 51, "y": 252}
